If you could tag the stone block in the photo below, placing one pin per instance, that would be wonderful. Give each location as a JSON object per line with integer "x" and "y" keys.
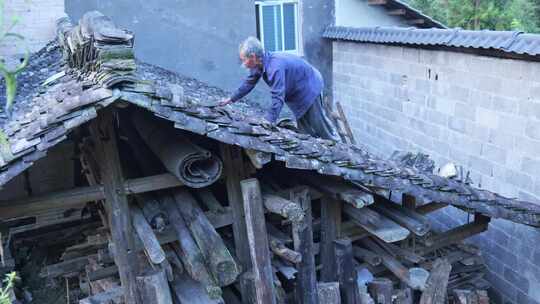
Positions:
{"x": 487, "y": 118}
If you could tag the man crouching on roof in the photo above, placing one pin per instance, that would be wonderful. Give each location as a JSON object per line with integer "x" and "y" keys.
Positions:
{"x": 292, "y": 80}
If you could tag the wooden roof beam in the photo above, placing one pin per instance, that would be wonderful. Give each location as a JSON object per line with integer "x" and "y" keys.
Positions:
{"x": 397, "y": 12}
{"x": 79, "y": 196}
{"x": 377, "y": 2}
{"x": 416, "y": 21}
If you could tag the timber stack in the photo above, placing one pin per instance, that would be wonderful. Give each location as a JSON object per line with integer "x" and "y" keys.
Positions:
{"x": 190, "y": 203}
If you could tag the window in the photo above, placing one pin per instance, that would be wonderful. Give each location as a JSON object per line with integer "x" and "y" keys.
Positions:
{"x": 277, "y": 25}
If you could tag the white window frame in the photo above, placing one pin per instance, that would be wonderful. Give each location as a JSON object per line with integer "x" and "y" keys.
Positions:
{"x": 299, "y": 48}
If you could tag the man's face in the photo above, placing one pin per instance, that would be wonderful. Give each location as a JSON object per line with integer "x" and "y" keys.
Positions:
{"x": 249, "y": 62}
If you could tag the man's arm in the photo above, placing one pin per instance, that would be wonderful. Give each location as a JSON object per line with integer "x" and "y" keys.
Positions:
{"x": 277, "y": 89}
{"x": 246, "y": 86}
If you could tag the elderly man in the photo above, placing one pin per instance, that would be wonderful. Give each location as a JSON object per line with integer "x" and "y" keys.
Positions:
{"x": 292, "y": 80}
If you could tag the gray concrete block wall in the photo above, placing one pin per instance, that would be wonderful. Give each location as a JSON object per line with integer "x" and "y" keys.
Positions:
{"x": 482, "y": 113}
{"x": 37, "y": 23}
{"x": 200, "y": 38}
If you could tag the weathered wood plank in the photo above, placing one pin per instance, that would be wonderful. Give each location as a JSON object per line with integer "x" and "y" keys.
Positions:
{"x": 283, "y": 207}
{"x": 435, "y": 292}
{"x": 346, "y": 271}
{"x": 340, "y": 190}
{"x": 455, "y": 235}
{"x": 377, "y": 224}
{"x": 233, "y": 169}
{"x": 279, "y": 249}
{"x": 148, "y": 239}
{"x": 430, "y": 207}
{"x": 258, "y": 242}
{"x": 154, "y": 288}
{"x": 112, "y": 296}
{"x": 329, "y": 293}
{"x": 415, "y": 222}
{"x": 393, "y": 265}
{"x": 104, "y": 136}
{"x": 367, "y": 256}
{"x": 187, "y": 290}
{"x": 330, "y": 231}
{"x": 306, "y": 288}
{"x": 222, "y": 265}
{"x": 79, "y": 196}
{"x": 187, "y": 248}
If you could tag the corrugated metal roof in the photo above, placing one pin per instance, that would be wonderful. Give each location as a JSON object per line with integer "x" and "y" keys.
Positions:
{"x": 506, "y": 41}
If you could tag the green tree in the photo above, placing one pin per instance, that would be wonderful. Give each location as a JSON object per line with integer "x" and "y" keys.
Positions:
{"x": 5, "y": 291}
{"x": 484, "y": 14}
{"x": 525, "y": 15}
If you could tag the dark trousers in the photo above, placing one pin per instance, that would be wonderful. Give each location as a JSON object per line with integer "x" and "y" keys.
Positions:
{"x": 316, "y": 122}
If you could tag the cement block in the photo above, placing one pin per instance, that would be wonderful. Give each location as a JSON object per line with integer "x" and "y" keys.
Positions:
{"x": 505, "y": 105}
{"x": 519, "y": 179}
{"x": 465, "y": 111}
{"x": 487, "y": 118}
{"x": 530, "y": 165}
{"x": 529, "y": 109}
{"x": 494, "y": 153}
{"x": 532, "y": 129}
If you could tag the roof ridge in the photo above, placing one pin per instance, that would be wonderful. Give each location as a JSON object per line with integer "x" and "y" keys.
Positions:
{"x": 506, "y": 41}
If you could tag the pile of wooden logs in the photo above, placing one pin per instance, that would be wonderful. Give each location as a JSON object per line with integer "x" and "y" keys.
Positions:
{"x": 272, "y": 235}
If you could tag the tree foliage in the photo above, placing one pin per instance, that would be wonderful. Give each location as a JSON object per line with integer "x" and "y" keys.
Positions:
{"x": 522, "y": 15}
{"x": 5, "y": 291}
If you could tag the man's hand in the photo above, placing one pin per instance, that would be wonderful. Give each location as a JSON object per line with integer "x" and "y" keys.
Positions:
{"x": 225, "y": 102}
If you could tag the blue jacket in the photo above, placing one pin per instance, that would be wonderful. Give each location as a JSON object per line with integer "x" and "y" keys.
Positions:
{"x": 291, "y": 79}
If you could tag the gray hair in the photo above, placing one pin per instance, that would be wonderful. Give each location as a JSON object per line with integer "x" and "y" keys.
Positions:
{"x": 251, "y": 46}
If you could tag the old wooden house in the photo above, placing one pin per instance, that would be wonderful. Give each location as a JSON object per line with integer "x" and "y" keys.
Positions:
{"x": 176, "y": 200}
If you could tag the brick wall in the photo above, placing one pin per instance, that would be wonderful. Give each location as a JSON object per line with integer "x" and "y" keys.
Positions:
{"x": 37, "y": 22}
{"x": 479, "y": 112}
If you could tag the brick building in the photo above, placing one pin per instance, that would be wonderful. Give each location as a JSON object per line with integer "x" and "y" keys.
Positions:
{"x": 36, "y": 23}
{"x": 471, "y": 98}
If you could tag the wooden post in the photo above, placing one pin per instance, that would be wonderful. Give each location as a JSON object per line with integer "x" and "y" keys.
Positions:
{"x": 381, "y": 289}
{"x": 346, "y": 271}
{"x": 258, "y": 242}
{"x": 306, "y": 285}
{"x": 233, "y": 168}
{"x": 435, "y": 292}
{"x": 154, "y": 288}
{"x": 329, "y": 293}
{"x": 104, "y": 135}
{"x": 330, "y": 231}
{"x": 404, "y": 296}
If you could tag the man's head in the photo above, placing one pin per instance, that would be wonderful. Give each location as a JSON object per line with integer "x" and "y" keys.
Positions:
{"x": 251, "y": 53}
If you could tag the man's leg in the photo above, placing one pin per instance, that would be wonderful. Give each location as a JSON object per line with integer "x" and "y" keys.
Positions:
{"x": 317, "y": 123}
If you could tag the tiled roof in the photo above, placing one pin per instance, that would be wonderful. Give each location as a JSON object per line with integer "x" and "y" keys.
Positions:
{"x": 76, "y": 98}
{"x": 505, "y": 41}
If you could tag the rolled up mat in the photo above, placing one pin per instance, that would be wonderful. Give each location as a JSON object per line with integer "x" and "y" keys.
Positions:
{"x": 193, "y": 165}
